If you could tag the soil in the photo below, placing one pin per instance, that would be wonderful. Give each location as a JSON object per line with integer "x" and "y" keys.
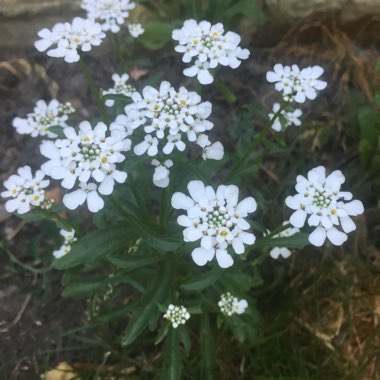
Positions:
{"x": 32, "y": 312}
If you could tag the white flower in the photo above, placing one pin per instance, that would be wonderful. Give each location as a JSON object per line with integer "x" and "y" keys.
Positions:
{"x": 44, "y": 116}
{"x": 214, "y": 151}
{"x": 109, "y": 13}
{"x": 89, "y": 154}
{"x": 321, "y": 203}
{"x": 65, "y": 248}
{"x": 207, "y": 46}
{"x": 295, "y": 84}
{"x": 26, "y": 191}
{"x": 121, "y": 87}
{"x": 276, "y": 252}
{"x": 217, "y": 219}
{"x": 161, "y": 172}
{"x": 290, "y": 118}
{"x": 230, "y": 305}
{"x": 169, "y": 119}
{"x": 135, "y": 30}
{"x": 177, "y": 315}
{"x": 86, "y": 192}
{"x": 67, "y": 40}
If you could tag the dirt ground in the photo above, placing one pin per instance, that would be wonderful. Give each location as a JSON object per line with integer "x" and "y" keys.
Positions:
{"x": 32, "y": 312}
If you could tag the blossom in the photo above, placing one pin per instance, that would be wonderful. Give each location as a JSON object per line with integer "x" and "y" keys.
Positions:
{"x": 230, "y": 305}
{"x": 91, "y": 154}
{"x": 170, "y": 119}
{"x": 68, "y": 39}
{"x": 121, "y": 87}
{"x": 177, "y": 315}
{"x": 276, "y": 252}
{"x": 161, "y": 172}
{"x": 69, "y": 238}
{"x": 320, "y": 202}
{"x": 289, "y": 118}
{"x": 109, "y": 13}
{"x": 44, "y": 116}
{"x": 295, "y": 84}
{"x": 217, "y": 219}
{"x": 26, "y": 191}
{"x": 207, "y": 46}
{"x": 135, "y": 30}
{"x": 214, "y": 151}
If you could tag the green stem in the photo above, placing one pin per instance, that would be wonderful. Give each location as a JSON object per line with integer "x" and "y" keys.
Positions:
{"x": 95, "y": 92}
{"x": 15, "y": 260}
{"x": 119, "y": 53}
{"x": 257, "y": 142}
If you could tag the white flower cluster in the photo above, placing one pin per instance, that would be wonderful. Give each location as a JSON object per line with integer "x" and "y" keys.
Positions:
{"x": 320, "y": 201}
{"x": 209, "y": 47}
{"x": 121, "y": 87}
{"x": 65, "y": 248}
{"x": 44, "y": 116}
{"x": 109, "y": 13}
{"x": 26, "y": 191}
{"x": 217, "y": 219}
{"x": 177, "y": 315}
{"x": 66, "y": 40}
{"x": 91, "y": 154}
{"x": 230, "y": 305}
{"x": 169, "y": 117}
{"x": 289, "y": 117}
{"x": 135, "y": 30}
{"x": 295, "y": 84}
{"x": 277, "y": 252}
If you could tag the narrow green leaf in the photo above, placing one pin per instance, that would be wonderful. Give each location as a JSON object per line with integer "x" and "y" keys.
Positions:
{"x": 146, "y": 309}
{"x": 208, "y": 363}
{"x": 203, "y": 281}
{"x": 156, "y": 35}
{"x": 81, "y": 288}
{"x": 131, "y": 263}
{"x": 97, "y": 244}
{"x": 173, "y": 360}
{"x": 228, "y": 95}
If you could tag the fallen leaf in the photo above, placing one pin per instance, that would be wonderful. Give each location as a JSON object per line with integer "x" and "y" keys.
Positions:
{"x": 64, "y": 371}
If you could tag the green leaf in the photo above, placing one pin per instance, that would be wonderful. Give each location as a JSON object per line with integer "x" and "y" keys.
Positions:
{"x": 173, "y": 360}
{"x": 156, "y": 35}
{"x": 97, "y": 244}
{"x": 203, "y": 281}
{"x": 228, "y": 95}
{"x": 81, "y": 288}
{"x": 146, "y": 308}
{"x": 131, "y": 263}
{"x": 299, "y": 240}
{"x": 184, "y": 338}
{"x": 208, "y": 363}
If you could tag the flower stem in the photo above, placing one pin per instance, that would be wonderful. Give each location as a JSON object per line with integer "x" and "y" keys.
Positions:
{"x": 119, "y": 53}
{"x": 95, "y": 92}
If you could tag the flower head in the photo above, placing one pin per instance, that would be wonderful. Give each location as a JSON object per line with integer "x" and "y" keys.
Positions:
{"x": 135, "y": 30}
{"x": 109, "y": 13}
{"x": 206, "y": 46}
{"x": 217, "y": 219}
{"x": 295, "y": 84}
{"x": 177, "y": 315}
{"x": 91, "y": 154}
{"x": 67, "y": 40}
{"x": 320, "y": 202}
{"x": 121, "y": 87}
{"x": 26, "y": 191}
{"x": 44, "y": 116}
{"x": 65, "y": 248}
{"x": 170, "y": 119}
{"x": 276, "y": 252}
{"x": 230, "y": 305}
{"x": 289, "y": 117}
